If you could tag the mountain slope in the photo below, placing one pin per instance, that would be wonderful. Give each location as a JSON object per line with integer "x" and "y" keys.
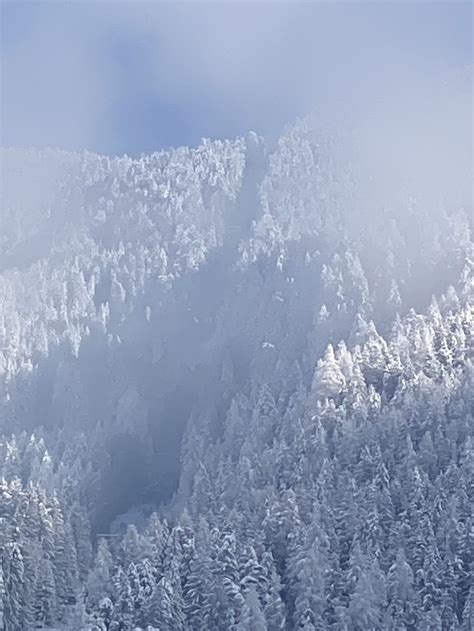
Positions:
{"x": 246, "y": 338}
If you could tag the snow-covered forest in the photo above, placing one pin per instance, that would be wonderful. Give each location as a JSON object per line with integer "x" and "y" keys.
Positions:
{"x": 271, "y": 349}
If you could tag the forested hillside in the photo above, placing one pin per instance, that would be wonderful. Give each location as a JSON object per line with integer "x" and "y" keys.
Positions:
{"x": 272, "y": 346}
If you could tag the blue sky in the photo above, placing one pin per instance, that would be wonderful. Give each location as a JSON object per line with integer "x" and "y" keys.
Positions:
{"x": 135, "y": 77}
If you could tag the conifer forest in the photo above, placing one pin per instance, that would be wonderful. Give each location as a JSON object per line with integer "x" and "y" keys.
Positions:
{"x": 236, "y": 389}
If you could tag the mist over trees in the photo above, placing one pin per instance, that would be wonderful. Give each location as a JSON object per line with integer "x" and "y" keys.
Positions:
{"x": 272, "y": 347}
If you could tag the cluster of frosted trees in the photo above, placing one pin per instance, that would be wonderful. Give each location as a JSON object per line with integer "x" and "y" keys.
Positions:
{"x": 212, "y": 332}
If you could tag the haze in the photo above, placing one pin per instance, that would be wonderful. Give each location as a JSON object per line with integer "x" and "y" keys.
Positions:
{"x": 139, "y": 76}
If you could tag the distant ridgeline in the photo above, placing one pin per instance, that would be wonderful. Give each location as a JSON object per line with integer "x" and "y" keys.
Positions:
{"x": 274, "y": 347}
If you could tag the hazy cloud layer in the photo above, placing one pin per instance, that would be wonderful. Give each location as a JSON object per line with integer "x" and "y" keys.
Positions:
{"x": 137, "y": 76}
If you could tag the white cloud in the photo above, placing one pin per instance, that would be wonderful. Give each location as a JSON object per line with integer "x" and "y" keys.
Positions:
{"x": 248, "y": 64}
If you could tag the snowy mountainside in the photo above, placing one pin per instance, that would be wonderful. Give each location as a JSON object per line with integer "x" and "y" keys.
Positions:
{"x": 271, "y": 345}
